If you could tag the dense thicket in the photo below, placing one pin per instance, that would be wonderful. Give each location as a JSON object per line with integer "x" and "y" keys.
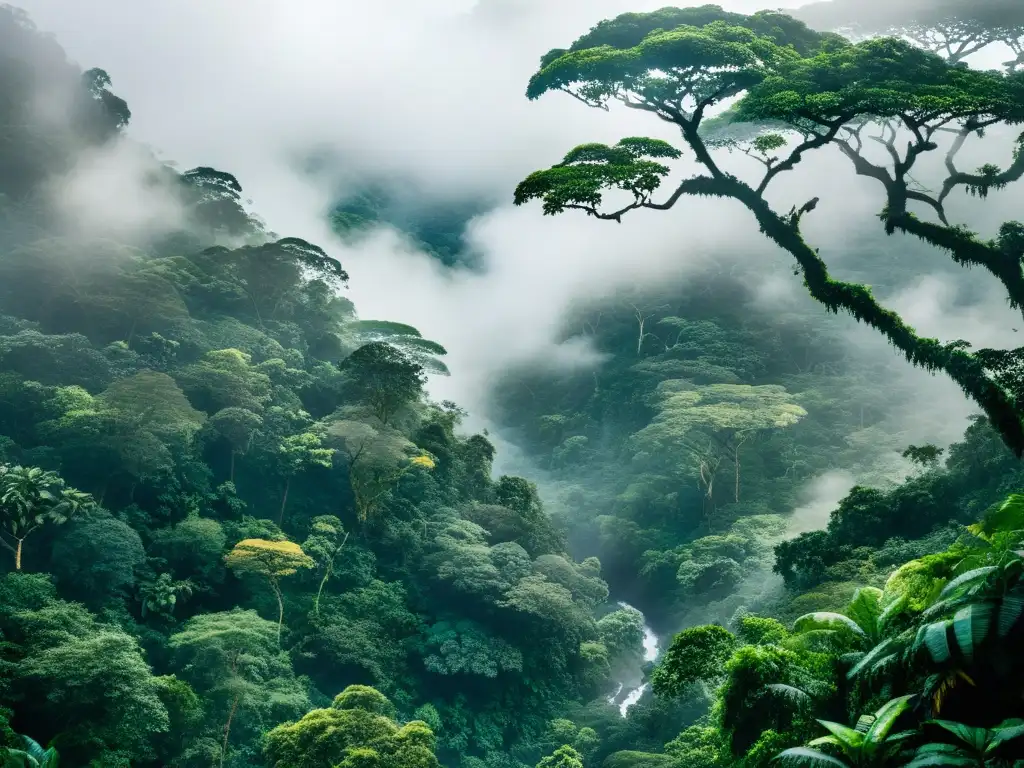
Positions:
{"x": 236, "y": 531}
{"x": 227, "y": 500}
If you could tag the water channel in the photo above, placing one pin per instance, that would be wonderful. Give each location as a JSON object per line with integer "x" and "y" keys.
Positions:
{"x": 633, "y": 694}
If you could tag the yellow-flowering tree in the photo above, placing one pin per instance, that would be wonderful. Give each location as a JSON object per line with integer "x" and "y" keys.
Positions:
{"x": 272, "y": 560}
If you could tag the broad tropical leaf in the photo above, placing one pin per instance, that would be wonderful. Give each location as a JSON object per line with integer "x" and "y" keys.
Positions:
{"x": 975, "y": 737}
{"x": 1008, "y": 516}
{"x": 969, "y": 578}
{"x": 1010, "y": 730}
{"x": 867, "y": 660}
{"x": 803, "y": 757}
{"x": 1010, "y": 610}
{"x": 849, "y": 737}
{"x": 971, "y": 626}
{"x": 827, "y": 621}
{"x": 865, "y": 609}
{"x": 886, "y": 717}
{"x": 933, "y": 637}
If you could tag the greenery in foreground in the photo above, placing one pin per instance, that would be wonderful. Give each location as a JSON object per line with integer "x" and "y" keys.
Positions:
{"x": 237, "y": 533}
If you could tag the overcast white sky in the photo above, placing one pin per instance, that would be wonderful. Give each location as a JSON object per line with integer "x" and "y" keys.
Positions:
{"x": 433, "y": 89}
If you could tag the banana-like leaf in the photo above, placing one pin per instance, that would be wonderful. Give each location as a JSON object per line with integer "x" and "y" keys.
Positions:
{"x": 967, "y": 579}
{"x": 849, "y": 737}
{"x": 1010, "y": 610}
{"x": 827, "y": 621}
{"x": 971, "y": 626}
{"x": 879, "y": 651}
{"x": 891, "y": 611}
{"x": 802, "y": 757}
{"x": 933, "y": 637}
{"x": 883, "y": 664}
{"x": 948, "y": 606}
{"x": 886, "y": 717}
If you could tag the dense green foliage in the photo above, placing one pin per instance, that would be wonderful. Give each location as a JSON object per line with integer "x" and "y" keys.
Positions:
{"x": 800, "y": 91}
{"x": 226, "y": 497}
{"x": 239, "y": 532}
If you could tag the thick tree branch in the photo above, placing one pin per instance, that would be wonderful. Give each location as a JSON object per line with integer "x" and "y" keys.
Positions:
{"x": 965, "y": 369}
{"x": 797, "y": 154}
{"x": 921, "y": 197}
{"x": 964, "y": 247}
{"x": 978, "y": 181}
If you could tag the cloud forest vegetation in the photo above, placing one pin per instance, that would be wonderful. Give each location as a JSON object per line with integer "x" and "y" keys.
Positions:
{"x": 237, "y": 530}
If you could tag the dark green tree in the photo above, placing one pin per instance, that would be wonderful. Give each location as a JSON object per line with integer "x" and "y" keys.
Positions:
{"x": 384, "y": 378}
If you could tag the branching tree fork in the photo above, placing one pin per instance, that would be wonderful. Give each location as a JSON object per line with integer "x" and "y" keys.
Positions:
{"x": 796, "y": 91}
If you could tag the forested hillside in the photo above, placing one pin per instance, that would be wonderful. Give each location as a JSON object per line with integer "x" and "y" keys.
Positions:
{"x": 237, "y": 530}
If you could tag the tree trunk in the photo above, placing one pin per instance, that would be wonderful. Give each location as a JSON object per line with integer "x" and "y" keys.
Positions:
{"x": 17, "y": 556}
{"x": 227, "y": 729}
{"x": 280, "y": 609}
{"x": 328, "y": 572}
{"x": 232, "y": 474}
{"x": 284, "y": 501}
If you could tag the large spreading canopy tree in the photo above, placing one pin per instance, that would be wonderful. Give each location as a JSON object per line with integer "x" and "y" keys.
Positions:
{"x": 815, "y": 90}
{"x": 955, "y": 29}
{"x": 712, "y": 423}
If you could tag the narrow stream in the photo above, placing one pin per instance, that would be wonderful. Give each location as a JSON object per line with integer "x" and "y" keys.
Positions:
{"x": 651, "y": 651}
